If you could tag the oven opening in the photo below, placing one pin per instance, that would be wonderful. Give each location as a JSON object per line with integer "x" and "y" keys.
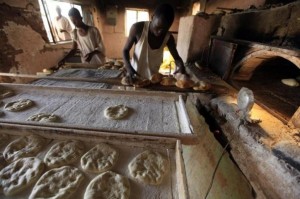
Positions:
{"x": 269, "y": 91}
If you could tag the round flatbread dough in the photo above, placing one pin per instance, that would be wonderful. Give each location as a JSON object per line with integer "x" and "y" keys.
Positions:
{"x": 185, "y": 83}
{"x": 59, "y": 183}
{"x": 19, "y": 105}
{"x": 64, "y": 153}
{"x": 99, "y": 159}
{"x": 156, "y": 78}
{"x": 20, "y": 174}
{"x": 108, "y": 185}
{"x": 24, "y": 147}
{"x": 168, "y": 81}
{"x": 290, "y": 82}
{"x": 141, "y": 83}
{"x": 149, "y": 167}
{"x": 116, "y": 112}
{"x": 44, "y": 117}
{"x": 5, "y": 93}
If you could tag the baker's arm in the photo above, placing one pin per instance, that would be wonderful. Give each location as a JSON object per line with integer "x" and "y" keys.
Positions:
{"x": 69, "y": 54}
{"x": 126, "y": 50}
{"x": 178, "y": 61}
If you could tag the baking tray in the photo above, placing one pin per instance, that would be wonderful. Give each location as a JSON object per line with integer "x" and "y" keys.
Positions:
{"x": 172, "y": 187}
{"x": 153, "y": 113}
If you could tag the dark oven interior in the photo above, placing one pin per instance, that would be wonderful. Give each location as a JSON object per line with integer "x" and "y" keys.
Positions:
{"x": 269, "y": 91}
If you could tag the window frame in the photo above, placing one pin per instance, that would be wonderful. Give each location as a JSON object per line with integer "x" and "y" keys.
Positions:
{"x": 127, "y": 29}
{"x": 44, "y": 11}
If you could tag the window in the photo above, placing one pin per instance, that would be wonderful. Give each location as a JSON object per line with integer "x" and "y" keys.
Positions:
{"x": 196, "y": 8}
{"x": 48, "y": 13}
{"x": 134, "y": 15}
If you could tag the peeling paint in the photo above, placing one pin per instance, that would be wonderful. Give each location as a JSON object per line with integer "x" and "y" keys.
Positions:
{"x": 23, "y": 39}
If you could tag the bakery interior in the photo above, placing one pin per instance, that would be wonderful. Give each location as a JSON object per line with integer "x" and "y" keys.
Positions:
{"x": 241, "y": 130}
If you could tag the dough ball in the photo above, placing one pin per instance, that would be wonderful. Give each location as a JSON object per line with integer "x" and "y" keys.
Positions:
{"x": 182, "y": 83}
{"x": 168, "y": 81}
{"x": 140, "y": 83}
{"x": 116, "y": 112}
{"x": 156, "y": 78}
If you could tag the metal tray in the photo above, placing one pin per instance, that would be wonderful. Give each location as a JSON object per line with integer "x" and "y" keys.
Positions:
{"x": 172, "y": 187}
{"x": 153, "y": 113}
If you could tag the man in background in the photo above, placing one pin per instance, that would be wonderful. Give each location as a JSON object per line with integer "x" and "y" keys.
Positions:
{"x": 149, "y": 39}
{"x": 87, "y": 39}
{"x": 62, "y": 26}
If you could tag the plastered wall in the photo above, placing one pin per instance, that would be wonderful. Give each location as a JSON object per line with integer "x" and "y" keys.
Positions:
{"x": 23, "y": 40}
{"x": 278, "y": 26}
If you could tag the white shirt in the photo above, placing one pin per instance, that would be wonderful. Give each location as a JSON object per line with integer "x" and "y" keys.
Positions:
{"x": 88, "y": 43}
{"x": 63, "y": 24}
{"x": 146, "y": 61}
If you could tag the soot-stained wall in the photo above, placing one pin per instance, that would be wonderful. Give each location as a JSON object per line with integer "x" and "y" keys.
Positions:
{"x": 23, "y": 40}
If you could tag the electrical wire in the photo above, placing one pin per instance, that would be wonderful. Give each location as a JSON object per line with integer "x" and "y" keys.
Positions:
{"x": 215, "y": 170}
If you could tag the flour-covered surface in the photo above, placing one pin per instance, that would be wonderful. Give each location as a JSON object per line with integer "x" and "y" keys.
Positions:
{"x": 168, "y": 189}
{"x": 151, "y": 113}
{"x": 80, "y": 73}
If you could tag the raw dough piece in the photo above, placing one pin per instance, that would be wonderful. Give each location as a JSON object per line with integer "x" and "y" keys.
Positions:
{"x": 290, "y": 82}
{"x": 64, "y": 153}
{"x": 20, "y": 174}
{"x": 149, "y": 167}
{"x": 24, "y": 147}
{"x": 116, "y": 112}
{"x": 202, "y": 86}
{"x": 3, "y": 139}
{"x": 59, "y": 183}
{"x": 6, "y": 93}
{"x": 19, "y": 105}
{"x": 182, "y": 83}
{"x": 141, "y": 83}
{"x": 43, "y": 117}
{"x": 156, "y": 78}
{"x": 108, "y": 185}
{"x": 99, "y": 159}
{"x": 168, "y": 81}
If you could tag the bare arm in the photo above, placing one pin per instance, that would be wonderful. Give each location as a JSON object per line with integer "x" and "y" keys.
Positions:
{"x": 178, "y": 61}
{"x": 133, "y": 38}
{"x": 69, "y": 54}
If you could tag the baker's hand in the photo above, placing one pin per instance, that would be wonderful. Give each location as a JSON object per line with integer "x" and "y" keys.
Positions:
{"x": 180, "y": 69}
{"x": 89, "y": 56}
{"x": 60, "y": 63}
{"x": 131, "y": 74}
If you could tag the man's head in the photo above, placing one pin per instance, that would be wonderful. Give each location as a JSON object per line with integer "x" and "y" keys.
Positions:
{"x": 162, "y": 19}
{"x": 75, "y": 17}
{"x": 58, "y": 10}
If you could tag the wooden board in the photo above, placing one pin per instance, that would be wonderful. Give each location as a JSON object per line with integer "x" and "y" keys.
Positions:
{"x": 152, "y": 113}
{"x": 172, "y": 187}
